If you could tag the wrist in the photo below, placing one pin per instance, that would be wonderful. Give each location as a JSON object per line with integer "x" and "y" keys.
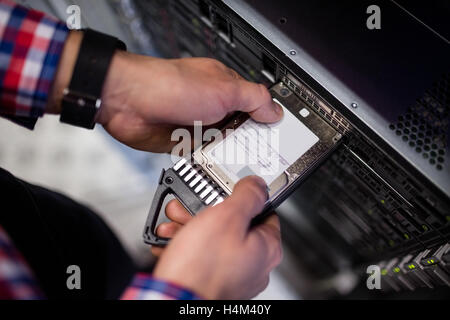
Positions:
{"x": 205, "y": 287}
{"x": 115, "y": 89}
{"x": 64, "y": 71}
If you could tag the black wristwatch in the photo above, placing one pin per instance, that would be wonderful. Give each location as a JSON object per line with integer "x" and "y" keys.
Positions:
{"x": 82, "y": 99}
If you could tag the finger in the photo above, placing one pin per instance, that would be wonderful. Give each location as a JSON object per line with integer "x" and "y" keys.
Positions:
{"x": 165, "y": 230}
{"x": 234, "y": 74}
{"x": 263, "y": 285}
{"x": 266, "y": 238}
{"x": 247, "y": 201}
{"x": 273, "y": 221}
{"x": 257, "y": 101}
{"x": 157, "y": 251}
{"x": 269, "y": 231}
{"x": 176, "y": 212}
{"x": 168, "y": 229}
{"x": 259, "y": 287}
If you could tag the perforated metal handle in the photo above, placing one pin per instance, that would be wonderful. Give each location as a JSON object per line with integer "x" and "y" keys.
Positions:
{"x": 169, "y": 183}
{"x": 192, "y": 187}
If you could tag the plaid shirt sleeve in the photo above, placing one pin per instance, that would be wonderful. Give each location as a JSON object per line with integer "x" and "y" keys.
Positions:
{"x": 144, "y": 287}
{"x": 31, "y": 44}
{"x": 16, "y": 279}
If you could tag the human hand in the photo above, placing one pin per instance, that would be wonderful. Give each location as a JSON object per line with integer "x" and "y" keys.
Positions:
{"x": 145, "y": 99}
{"x": 216, "y": 254}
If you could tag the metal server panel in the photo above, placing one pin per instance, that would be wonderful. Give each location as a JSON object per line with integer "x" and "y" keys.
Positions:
{"x": 375, "y": 209}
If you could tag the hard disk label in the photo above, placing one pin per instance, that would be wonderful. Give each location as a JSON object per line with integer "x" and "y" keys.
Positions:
{"x": 266, "y": 150}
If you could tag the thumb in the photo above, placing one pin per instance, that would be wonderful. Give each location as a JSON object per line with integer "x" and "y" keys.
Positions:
{"x": 247, "y": 200}
{"x": 256, "y": 100}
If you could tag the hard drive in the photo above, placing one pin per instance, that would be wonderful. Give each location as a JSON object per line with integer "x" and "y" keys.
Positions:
{"x": 283, "y": 154}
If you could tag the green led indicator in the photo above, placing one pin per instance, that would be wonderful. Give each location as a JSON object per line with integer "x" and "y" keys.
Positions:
{"x": 383, "y": 202}
{"x": 396, "y": 269}
{"x": 411, "y": 266}
{"x": 196, "y": 22}
{"x": 384, "y": 272}
{"x": 425, "y": 227}
{"x": 406, "y": 236}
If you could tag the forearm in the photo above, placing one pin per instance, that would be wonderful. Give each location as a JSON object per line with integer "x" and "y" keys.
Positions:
{"x": 64, "y": 72}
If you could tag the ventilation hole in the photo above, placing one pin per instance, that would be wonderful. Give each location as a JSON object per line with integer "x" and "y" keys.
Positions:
{"x": 426, "y": 123}
{"x": 439, "y": 167}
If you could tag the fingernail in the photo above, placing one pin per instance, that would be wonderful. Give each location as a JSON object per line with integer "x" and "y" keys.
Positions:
{"x": 260, "y": 181}
{"x": 278, "y": 109}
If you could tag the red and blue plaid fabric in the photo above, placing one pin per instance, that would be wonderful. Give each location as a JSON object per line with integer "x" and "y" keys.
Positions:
{"x": 144, "y": 287}
{"x": 30, "y": 49}
{"x": 31, "y": 44}
{"x": 16, "y": 280}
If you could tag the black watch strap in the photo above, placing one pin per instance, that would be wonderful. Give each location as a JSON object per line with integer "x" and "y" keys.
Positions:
{"x": 82, "y": 99}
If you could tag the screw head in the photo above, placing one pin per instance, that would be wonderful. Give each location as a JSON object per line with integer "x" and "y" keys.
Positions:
{"x": 283, "y": 20}
{"x": 284, "y": 92}
{"x": 354, "y": 105}
{"x": 169, "y": 180}
{"x": 292, "y": 52}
